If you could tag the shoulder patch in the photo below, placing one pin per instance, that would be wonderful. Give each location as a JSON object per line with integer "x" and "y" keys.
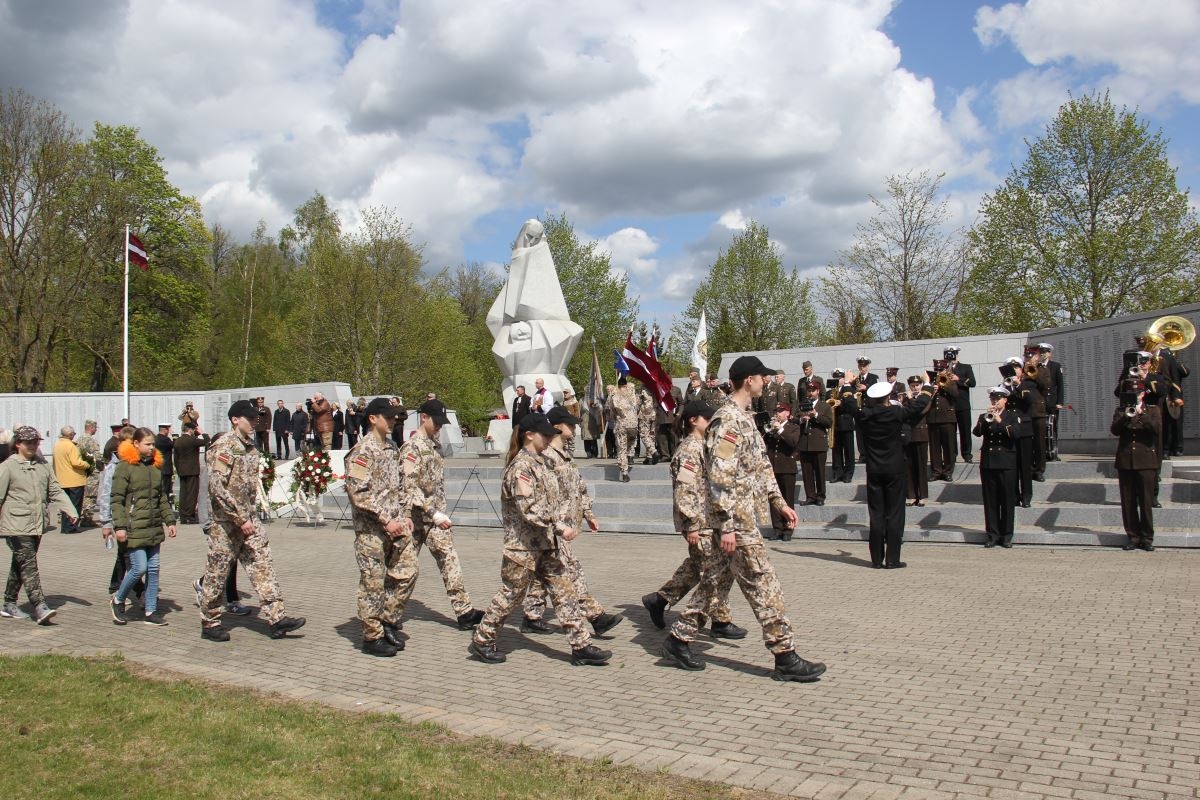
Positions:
{"x": 689, "y": 471}
{"x": 524, "y": 483}
{"x": 358, "y": 469}
{"x": 411, "y": 460}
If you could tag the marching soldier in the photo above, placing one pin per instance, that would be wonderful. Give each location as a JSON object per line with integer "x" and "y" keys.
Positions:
{"x": 621, "y": 409}
{"x": 1137, "y": 423}
{"x": 740, "y": 486}
{"x": 425, "y": 490}
{"x": 647, "y": 425}
{"x": 998, "y": 467}
{"x": 235, "y": 534}
{"x": 533, "y": 528}
{"x": 815, "y": 420}
{"x": 842, "y": 397}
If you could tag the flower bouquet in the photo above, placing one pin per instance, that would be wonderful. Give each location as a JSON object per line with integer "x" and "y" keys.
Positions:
{"x": 311, "y": 475}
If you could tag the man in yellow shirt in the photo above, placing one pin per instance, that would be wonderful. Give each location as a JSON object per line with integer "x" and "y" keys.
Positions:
{"x": 71, "y": 471}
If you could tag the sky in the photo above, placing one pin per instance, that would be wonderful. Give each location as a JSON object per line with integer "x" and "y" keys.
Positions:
{"x": 658, "y": 128}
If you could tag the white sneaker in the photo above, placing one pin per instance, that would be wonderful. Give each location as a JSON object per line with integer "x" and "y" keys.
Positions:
{"x": 198, "y": 585}
{"x": 12, "y": 611}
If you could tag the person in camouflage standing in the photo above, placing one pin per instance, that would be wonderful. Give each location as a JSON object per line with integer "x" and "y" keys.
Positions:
{"x": 576, "y": 507}
{"x": 425, "y": 490}
{"x": 92, "y": 451}
{"x": 647, "y": 425}
{"x": 622, "y": 410}
{"x": 383, "y": 541}
{"x": 235, "y": 534}
{"x": 533, "y": 528}
{"x": 691, "y": 500}
{"x": 740, "y": 485}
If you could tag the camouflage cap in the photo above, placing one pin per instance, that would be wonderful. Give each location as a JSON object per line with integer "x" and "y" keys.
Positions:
{"x": 26, "y": 433}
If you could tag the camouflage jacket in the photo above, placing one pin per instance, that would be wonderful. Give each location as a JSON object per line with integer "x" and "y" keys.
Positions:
{"x": 741, "y": 482}
{"x": 646, "y": 406}
{"x": 233, "y": 479}
{"x": 622, "y": 408}
{"x": 688, "y": 483}
{"x": 373, "y": 484}
{"x": 88, "y": 444}
{"x": 576, "y": 502}
{"x": 530, "y": 506}
{"x": 424, "y": 481}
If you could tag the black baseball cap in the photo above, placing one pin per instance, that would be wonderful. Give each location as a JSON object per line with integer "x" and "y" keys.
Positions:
{"x": 244, "y": 409}
{"x": 382, "y": 406}
{"x": 745, "y": 366}
{"x": 697, "y": 408}
{"x": 538, "y": 423}
{"x": 436, "y": 410}
{"x": 559, "y": 415}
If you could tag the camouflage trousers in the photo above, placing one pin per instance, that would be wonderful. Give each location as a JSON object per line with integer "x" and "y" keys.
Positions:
{"x": 687, "y": 577}
{"x": 517, "y": 571}
{"x": 24, "y": 569}
{"x": 757, "y": 580}
{"x": 441, "y": 545}
{"x": 648, "y": 431}
{"x": 387, "y": 574}
{"x": 90, "y": 491}
{"x": 535, "y": 601}
{"x": 626, "y": 442}
{"x": 226, "y": 544}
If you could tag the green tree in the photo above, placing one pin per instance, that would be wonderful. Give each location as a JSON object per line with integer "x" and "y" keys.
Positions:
{"x": 597, "y": 299}
{"x": 750, "y": 300}
{"x": 903, "y": 264}
{"x": 1092, "y": 225}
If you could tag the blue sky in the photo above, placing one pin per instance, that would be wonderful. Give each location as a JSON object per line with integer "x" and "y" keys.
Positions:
{"x": 660, "y": 129}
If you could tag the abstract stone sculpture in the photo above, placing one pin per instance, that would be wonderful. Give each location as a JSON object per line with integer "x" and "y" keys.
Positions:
{"x": 534, "y": 335}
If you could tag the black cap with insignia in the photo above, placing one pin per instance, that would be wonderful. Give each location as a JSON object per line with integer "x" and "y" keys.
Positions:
{"x": 538, "y": 424}
{"x": 382, "y": 406}
{"x": 244, "y": 409}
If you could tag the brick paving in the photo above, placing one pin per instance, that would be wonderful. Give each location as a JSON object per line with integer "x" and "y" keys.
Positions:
{"x": 1035, "y": 672}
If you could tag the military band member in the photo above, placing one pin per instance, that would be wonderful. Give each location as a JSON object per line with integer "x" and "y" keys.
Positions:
{"x": 1020, "y": 401}
{"x": 691, "y": 520}
{"x": 997, "y": 428}
{"x": 425, "y": 491}
{"x": 647, "y": 427}
{"x": 1039, "y": 412}
{"x": 916, "y": 450}
{"x": 815, "y": 418}
{"x": 964, "y": 376}
{"x": 740, "y": 484}
{"x": 943, "y": 429}
{"x": 621, "y": 409}
{"x": 1055, "y": 395}
{"x": 862, "y": 381}
{"x": 1137, "y": 423}
{"x": 842, "y": 399}
{"x": 530, "y": 505}
{"x": 1172, "y": 422}
{"x": 235, "y": 533}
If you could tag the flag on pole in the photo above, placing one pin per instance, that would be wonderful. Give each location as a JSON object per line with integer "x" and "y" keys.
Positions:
{"x": 137, "y": 252}
{"x": 593, "y": 396}
{"x": 700, "y": 348}
{"x": 649, "y": 372}
{"x": 620, "y": 365}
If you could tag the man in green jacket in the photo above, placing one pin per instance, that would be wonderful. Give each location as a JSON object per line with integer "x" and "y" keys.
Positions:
{"x": 27, "y": 488}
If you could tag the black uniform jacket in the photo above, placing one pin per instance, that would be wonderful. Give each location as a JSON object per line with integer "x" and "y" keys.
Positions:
{"x": 844, "y": 414}
{"x": 966, "y": 382}
{"x": 882, "y": 447}
{"x": 998, "y": 450}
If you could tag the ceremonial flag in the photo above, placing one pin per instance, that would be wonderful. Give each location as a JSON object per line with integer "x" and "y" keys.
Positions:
{"x": 137, "y": 252}
{"x": 649, "y": 372}
{"x": 620, "y": 365}
{"x": 593, "y": 396}
{"x": 700, "y": 348}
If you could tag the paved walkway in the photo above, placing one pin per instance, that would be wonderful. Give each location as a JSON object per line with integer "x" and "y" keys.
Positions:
{"x": 1037, "y": 672}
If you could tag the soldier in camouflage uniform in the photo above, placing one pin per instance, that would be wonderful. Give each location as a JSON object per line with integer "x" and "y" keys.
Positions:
{"x": 576, "y": 507}
{"x": 622, "y": 410}
{"x": 691, "y": 500}
{"x": 647, "y": 425}
{"x": 89, "y": 446}
{"x": 740, "y": 485}
{"x": 533, "y": 529}
{"x": 425, "y": 488}
{"x": 383, "y": 541}
{"x": 235, "y": 534}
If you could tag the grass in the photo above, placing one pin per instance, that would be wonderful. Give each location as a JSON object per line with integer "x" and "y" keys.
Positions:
{"x": 103, "y": 728}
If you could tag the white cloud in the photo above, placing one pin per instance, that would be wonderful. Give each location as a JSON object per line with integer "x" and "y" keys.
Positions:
{"x": 630, "y": 249}
{"x": 1030, "y": 96}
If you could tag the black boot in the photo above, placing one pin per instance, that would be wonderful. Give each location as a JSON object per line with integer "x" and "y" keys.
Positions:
{"x": 469, "y": 620}
{"x": 379, "y": 647}
{"x": 605, "y": 622}
{"x": 486, "y": 653}
{"x": 391, "y": 635}
{"x": 791, "y": 667}
{"x": 590, "y": 656}
{"x": 214, "y": 633}
{"x": 284, "y": 626}
{"x": 680, "y": 652}
{"x": 657, "y": 607}
{"x": 727, "y": 630}
{"x": 535, "y": 626}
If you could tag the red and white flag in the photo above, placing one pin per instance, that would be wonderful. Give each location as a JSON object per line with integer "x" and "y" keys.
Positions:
{"x": 645, "y": 367}
{"x": 136, "y": 252}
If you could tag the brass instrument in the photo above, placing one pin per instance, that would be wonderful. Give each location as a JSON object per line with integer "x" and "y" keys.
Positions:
{"x": 991, "y": 416}
{"x": 1174, "y": 332}
{"x": 942, "y": 373}
{"x": 1031, "y": 355}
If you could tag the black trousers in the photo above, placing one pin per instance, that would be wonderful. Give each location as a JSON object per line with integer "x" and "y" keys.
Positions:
{"x": 283, "y": 445}
{"x": 168, "y": 484}
{"x": 299, "y": 442}
{"x": 1039, "y": 446}
{"x": 351, "y": 438}
{"x": 1137, "y": 487}
{"x": 189, "y": 495}
{"x": 666, "y": 440}
{"x": 843, "y": 456}
{"x": 264, "y": 440}
{"x": 812, "y": 465}
{"x": 787, "y": 487}
{"x": 885, "y": 506}
{"x": 999, "y": 498}
{"x": 75, "y": 494}
{"x": 916, "y": 462}
{"x": 1024, "y": 470}
{"x": 591, "y": 447}
{"x": 1173, "y": 434}
{"x": 942, "y": 454}
{"x": 965, "y": 424}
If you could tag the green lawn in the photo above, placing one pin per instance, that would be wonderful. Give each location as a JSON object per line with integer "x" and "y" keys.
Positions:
{"x": 102, "y": 728}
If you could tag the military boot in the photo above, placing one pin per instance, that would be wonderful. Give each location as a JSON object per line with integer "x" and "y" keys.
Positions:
{"x": 214, "y": 633}
{"x": 605, "y": 622}
{"x": 391, "y": 635}
{"x": 530, "y": 625}
{"x": 379, "y": 647}
{"x": 590, "y": 656}
{"x": 468, "y": 621}
{"x": 486, "y": 653}
{"x": 284, "y": 626}
{"x": 657, "y": 608}
{"x": 680, "y": 652}
{"x": 791, "y": 667}
{"x": 727, "y": 630}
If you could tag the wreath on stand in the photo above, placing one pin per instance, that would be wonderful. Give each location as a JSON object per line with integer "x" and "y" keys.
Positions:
{"x": 311, "y": 475}
{"x": 266, "y": 479}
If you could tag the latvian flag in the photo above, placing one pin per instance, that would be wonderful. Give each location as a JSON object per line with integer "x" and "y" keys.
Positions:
{"x": 137, "y": 252}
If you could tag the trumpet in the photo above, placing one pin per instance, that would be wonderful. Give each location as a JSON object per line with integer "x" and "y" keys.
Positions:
{"x": 1133, "y": 411}
{"x": 991, "y": 416}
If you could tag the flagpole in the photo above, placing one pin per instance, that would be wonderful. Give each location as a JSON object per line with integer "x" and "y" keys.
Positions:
{"x": 125, "y": 343}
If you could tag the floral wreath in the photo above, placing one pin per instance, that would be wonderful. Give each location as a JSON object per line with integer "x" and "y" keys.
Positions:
{"x": 311, "y": 474}
{"x": 266, "y": 471}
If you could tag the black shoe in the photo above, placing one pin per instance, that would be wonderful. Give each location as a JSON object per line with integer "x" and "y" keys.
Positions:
{"x": 154, "y": 619}
{"x": 657, "y": 608}
{"x": 895, "y": 565}
{"x": 624, "y": 479}
{"x": 968, "y": 460}
{"x": 118, "y": 611}
{"x": 535, "y": 626}
{"x": 1040, "y": 478}
{"x": 469, "y": 620}
{"x": 680, "y": 652}
{"x": 590, "y": 656}
{"x": 391, "y": 635}
{"x": 989, "y": 544}
{"x": 605, "y": 623}
{"x": 786, "y": 536}
{"x": 848, "y": 479}
{"x": 819, "y": 502}
{"x": 1006, "y": 545}
{"x": 488, "y": 654}
{"x": 214, "y": 633}
{"x": 1130, "y": 546}
{"x": 876, "y": 566}
{"x": 791, "y": 667}
{"x": 657, "y": 458}
{"x": 379, "y": 647}
{"x": 1156, "y": 504}
{"x": 727, "y": 630}
{"x": 1149, "y": 548}
{"x": 284, "y": 626}
{"x": 646, "y": 461}
{"x": 1026, "y": 504}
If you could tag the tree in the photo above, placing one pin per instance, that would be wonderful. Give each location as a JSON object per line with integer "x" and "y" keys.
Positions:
{"x": 902, "y": 263}
{"x": 597, "y": 300}
{"x": 750, "y": 301}
{"x": 1090, "y": 226}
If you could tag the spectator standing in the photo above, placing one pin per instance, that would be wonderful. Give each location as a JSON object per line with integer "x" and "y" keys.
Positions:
{"x": 300, "y": 427}
{"x": 322, "y": 421}
{"x": 353, "y": 424}
{"x": 339, "y": 426}
{"x": 262, "y": 425}
{"x": 91, "y": 449}
{"x": 398, "y": 424}
{"x": 281, "y": 425}
{"x": 71, "y": 472}
{"x": 166, "y": 446}
{"x": 187, "y": 465}
{"x": 520, "y": 406}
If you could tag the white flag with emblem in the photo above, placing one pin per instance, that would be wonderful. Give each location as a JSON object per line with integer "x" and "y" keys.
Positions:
{"x": 700, "y": 348}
